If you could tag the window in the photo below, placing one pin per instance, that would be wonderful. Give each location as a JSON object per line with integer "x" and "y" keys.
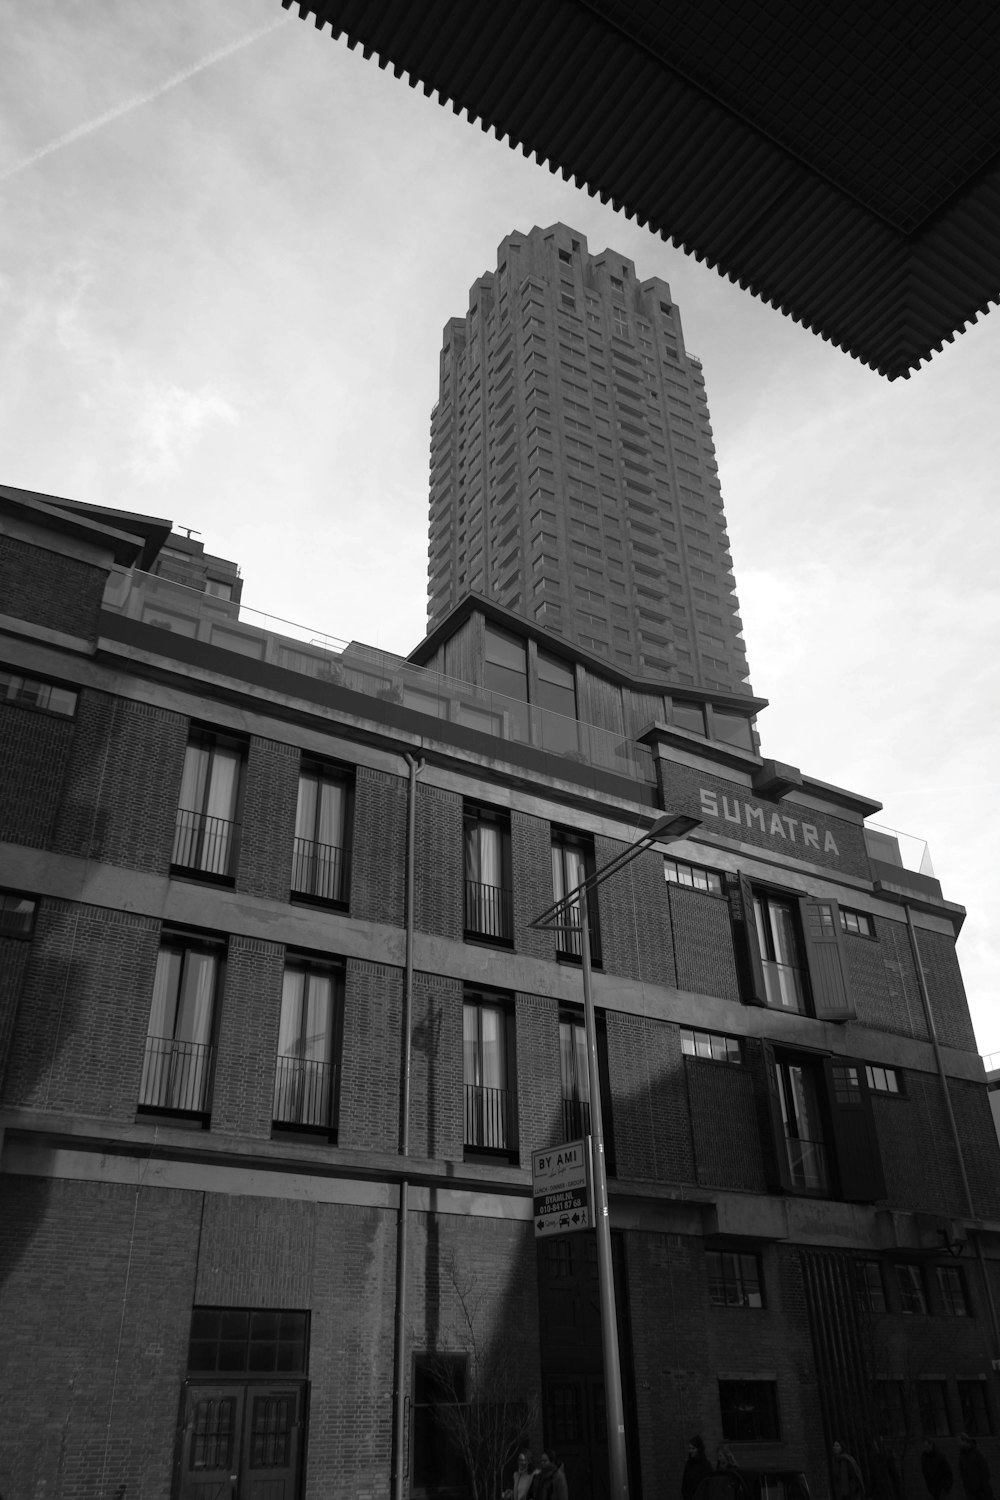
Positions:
{"x": 802, "y": 1125}
{"x": 320, "y": 858}
{"x": 572, "y": 863}
{"x": 575, "y": 1077}
{"x": 489, "y": 896}
{"x": 439, "y": 1393}
{"x": 976, "y": 1419}
{"x": 206, "y": 832}
{"x": 789, "y": 950}
{"x": 32, "y": 692}
{"x": 882, "y": 1080}
{"x": 555, "y": 691}
{"x": 17, "y": 915}
{"x": 734, "y": 1279}
{"x": 690, "y": 716}
{"x": 779, "y": 951}
{"x": 693, "y": 876}
{"x": 620, "y": 322}
{"x": 218, "y": 589}
{"x": 305, "y": 1077}
{"x": 869, "y": 1285}
{"x": 856, "y": 922}
{"x": 749, "y": 1411}
{"x": 824, "y": 1138}
{"x": 951, "y": 1291}
{"x": 711, "y": 1045}
{"x": 889, "y": 1403}
{"x": 911, "y": 1289}
{"x": 177, "y": 1070}
{"x": 490, "y": 1105}
{"x": 235, "y": 1341}
{"x": 932, "y": 1404}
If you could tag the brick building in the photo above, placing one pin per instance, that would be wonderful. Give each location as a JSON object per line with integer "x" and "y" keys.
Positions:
{"x": 256, "y": 893}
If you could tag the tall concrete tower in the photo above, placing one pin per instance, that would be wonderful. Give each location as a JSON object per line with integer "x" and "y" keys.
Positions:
{"x": 573, "y": 473}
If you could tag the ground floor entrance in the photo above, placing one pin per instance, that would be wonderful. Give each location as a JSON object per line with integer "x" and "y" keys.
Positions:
{"x": 241, "y": 1441}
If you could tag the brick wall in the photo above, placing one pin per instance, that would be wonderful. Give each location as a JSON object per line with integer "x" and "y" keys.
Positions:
{"x": 531, "y": 861}
{"x": 34, "y": 750}
{"x": 703, "y": 942}
{"x": 724, "y": 1126}
{"x": 81, "y": 1026}
{"x": 437, "y": 1105}
{"x": 439, "y": 863}
{"x": 539, "y": 1084}
{"x": 652, "y": 1133}
{"x": 976, "y": 1131}
{"x": 14, "y": 955}
{"x": 247, "y": 1029}
{"x": 868, "y": 976}
{"x": 95, "y": 1297}
{"x": 943, "y": 978}
{"x": 47, "y": 588}
{"x": 905, "y": 1013}
{"x": 378, "y": 858}
{"x": 636, "y": 937}
{"x": 918, "y": 1155}
{"x": 267, "y": 819}
{"x": 371, "y": 1057}
{"x": 119, "y": 796}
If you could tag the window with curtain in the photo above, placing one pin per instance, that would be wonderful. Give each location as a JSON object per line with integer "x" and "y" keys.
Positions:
{"x": 488, "y": 894}
{"x": 779, "y": 950}
{"x": 305, "y": 1073}
{"x": 572, "y": 862}
{"x": 490, "y": 1103}
{"x": 177, "y": 1069}
{"x": 205, "y": 834}
{"x": 320, "y": 854}
{"x": 574, "y": 1077}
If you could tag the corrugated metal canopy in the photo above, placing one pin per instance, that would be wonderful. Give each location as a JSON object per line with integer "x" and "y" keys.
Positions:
{"x": 840, "y": 162}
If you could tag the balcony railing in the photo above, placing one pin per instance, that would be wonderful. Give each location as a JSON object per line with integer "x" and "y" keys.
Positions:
{"x": 489, "y": 910}
{"x": 204, "y": 843}
{"x": 575, "y": 1118}
{"x": 176, "y": 1075}
{"x": 303, "y": 1092}
{"x": 490, "y": 1116}
{"x": 319, "y": 870}
{"x": 570, "y": 940}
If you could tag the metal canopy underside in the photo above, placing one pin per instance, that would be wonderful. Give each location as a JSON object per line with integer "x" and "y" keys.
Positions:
{"x": 840, "y": 162}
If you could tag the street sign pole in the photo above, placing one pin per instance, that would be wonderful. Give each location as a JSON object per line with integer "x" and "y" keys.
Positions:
{"x": 617, "y": 1461}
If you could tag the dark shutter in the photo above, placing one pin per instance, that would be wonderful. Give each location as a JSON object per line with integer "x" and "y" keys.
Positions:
{"x": 828, "y": 977}
{"x": 859, "y": 1161}
{"x": 774, "y": 1147}
{"x": 745, "y": 941}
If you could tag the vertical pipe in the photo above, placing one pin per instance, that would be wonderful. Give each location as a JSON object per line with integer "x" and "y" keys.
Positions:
{"x": 952, "y": 1124}
{"x": 399, "y": 1362}
{"x": 617, "y": 1460}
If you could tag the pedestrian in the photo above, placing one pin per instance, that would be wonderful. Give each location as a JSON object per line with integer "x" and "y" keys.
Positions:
{"x": 936, "y": 1470}
{"x": 885, "y": 1481}
{"x": 974, "y": 1469}
{"x": 848, "y": 1481}
{"x": 550, "y": 1479}
{"x": 730, "y": 1474}
{"x": 696, "y": 1469}
{"x": 523, "y": 1477}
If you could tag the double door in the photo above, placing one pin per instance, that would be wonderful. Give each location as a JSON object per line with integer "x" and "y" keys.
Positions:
{"x": 241, "y": 1441}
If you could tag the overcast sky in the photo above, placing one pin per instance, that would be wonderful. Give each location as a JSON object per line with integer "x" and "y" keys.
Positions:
{"x": 228, "y": 247}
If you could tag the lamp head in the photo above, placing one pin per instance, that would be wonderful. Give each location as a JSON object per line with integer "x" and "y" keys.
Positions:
{"x": 671, "y": 826}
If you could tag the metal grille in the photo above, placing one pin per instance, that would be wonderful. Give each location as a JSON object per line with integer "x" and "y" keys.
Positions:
{"x": 489, "y": 1117}
{"x": 303, "y": 1091}
{"x": 489, "y": 910}
{"x": 175, "y": 1075}
{"x": 203, "y": 843}
{"x": 576, "y": 1118}
{"x": 319, "y": 870}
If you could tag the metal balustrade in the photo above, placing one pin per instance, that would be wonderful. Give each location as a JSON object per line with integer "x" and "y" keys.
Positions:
{"x": 490, "y": 1116}
{"x": 575, "y": 1118}
{"x": 319, "y": 870}
{"x": 203, "y": 843}
{"x": 489, "y": 910}
{"x": 569, "y": 939}
{"x": 303, "y": 1092}
{"x": 176, "y": 1075}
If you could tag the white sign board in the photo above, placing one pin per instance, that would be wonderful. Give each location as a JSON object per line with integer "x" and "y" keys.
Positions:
{"x": 561, "y": 1186}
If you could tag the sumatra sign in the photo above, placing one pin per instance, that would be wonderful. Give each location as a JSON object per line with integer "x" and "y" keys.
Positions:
{"x": 560, "y": 1183}
{"x": 766, "y": 819}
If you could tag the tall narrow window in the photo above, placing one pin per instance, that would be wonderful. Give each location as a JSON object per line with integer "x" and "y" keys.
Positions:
{"x": 572, "y": 863}
{"x": 489, "y": 897}
{"x": 574, "y": 1077}
{"x": 177, "y": 1070}
{"x": 206, "y": 831}
{"x": 305, "y": 1075}
{"x": 320, "y": 855}
{"x": 506, "y": 671}
{"x": 555, "y": 695}
{"x": 779, "y": 951}
{"x": 490, "y": 1104}
{"x": 798, "y": 1090}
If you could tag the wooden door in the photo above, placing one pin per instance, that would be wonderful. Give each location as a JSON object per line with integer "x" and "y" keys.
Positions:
{"x": 241, "y": 1441}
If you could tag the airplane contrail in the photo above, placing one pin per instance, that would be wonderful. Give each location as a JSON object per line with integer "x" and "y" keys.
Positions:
{"x": 118, "y": 110}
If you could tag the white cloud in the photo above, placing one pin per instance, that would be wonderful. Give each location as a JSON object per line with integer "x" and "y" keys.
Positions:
{"x": 167, "y": 424}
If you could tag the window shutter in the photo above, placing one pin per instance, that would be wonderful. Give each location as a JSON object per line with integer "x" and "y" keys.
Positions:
{"x": 774, "y": 1148}
{"x": 828, "y": 977}
{"x": 748, "y": 958}
{"x": 855, "y": 1141}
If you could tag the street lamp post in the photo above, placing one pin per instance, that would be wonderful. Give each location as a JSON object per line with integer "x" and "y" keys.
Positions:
{"x": 570, "y": 913}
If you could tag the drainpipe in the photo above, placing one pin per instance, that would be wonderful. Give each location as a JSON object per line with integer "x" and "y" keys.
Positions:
{"x": 399, "y": 1373}
{"x": 952, "y": 1124}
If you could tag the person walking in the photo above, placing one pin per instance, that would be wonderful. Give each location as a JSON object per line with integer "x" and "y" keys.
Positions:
{"x": 523, "y": 1477}
{"x": 936, "y": 1471}
{"x": 730, "y": 1483}
{"x": 848, "y": 1481}
{"x": 696, "y": 1469}
{"x": 974, "y": 1470}
{"x": 550, "y": 1479}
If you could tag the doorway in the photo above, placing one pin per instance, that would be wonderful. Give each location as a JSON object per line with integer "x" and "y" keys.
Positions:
{"x": 241, "y": 1441}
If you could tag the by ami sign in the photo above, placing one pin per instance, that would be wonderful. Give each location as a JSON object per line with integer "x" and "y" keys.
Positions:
{"x": 560, "y": 1183}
